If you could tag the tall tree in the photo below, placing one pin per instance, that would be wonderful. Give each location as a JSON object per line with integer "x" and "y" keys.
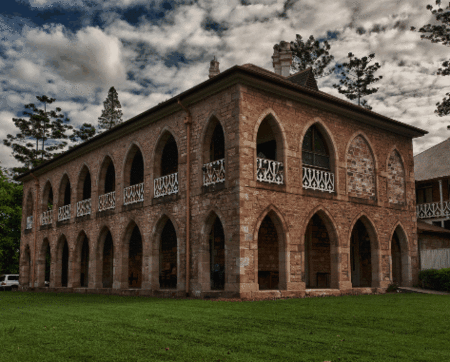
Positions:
{"x": 10, "y": 223}
{"x": 82, "y": 134}
{"x": 439, "y": 33}
{"x": 357, "y": 76}
{"x": 29, "y": 146}
{"x": 311, "y": 54}
{"x": 111, "y": 113}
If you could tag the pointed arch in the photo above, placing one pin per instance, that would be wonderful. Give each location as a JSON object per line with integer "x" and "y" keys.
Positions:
{"x": 61, "y": 263}
{"x": 25, "y": 267}
{"x": 361, "y": 164}
{"x": 80, "y": 261}
{"x": 166, "y": 153}
{"x": 47, "y": 200}
{"x": 133, "y": 165}
{"x": 105, "y": 257}
{"x": 65, "y": 191}
{"x": 213, "y": 139}
{"x": 44, "y": 264}
{"x": 132, "y": 267}
{"x": 396, "y": 180}
{"x": 29, "y": 209}
{"x": 166, "y": 253}
{"x": 84, "y": 186}
{"x": 272, "y": 137}
{"x": 106, "y": 175}
{"x": 400, "y": 260}
{"x": 271, "y": 266}
{"x": 365, "y": 257}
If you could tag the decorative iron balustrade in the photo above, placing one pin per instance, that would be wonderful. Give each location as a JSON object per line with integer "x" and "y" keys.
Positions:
{"x": 29, "y": 222}
{"x": 318, "y": 179}
{"x": 433, "y": 209}
{"x": 269, "y": 171}
{"x": 64, "y": 212}
{"x": 47, "y": 217}
{"x": 107, "y": 201}
{"x": 214, "y": 172}
{"x": 133, "y": 194}
{"x": 166, "y": 185}
{"x": 84, "y": 207}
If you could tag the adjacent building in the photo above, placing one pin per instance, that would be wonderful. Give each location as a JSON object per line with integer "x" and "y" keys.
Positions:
{"x": 252, "y": 183}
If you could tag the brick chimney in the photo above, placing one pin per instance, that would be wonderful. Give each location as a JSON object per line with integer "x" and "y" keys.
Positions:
{"x": 282, "y": 58}
{"x": 214, "y": 68}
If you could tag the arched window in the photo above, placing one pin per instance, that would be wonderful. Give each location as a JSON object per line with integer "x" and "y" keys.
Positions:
{"x": 84, "y": 193}
{"x": 64, "y": 210}
{"x": 217, "y": 144}
{"x": 107, "y": 262}
{"x": 169, "y": 158}
{"x": 134, "y": 177}
{"x": 47, "y": 205}
{"x": 315, "y": 151}
{"x": 166, "y": 166}
{"x": 135, "y": 259}
{"x": 168, "y": 257}
{"x": 214, "y": 154}
{"x": 266, "y": 144}
{"x": 107, "y": 186}
{"x": 29, "y": 211}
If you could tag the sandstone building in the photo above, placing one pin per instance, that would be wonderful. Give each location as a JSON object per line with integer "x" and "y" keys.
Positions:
{"x": 252, "y": 183}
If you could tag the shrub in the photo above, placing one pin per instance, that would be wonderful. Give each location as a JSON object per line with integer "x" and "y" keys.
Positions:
{"x": 393, "y": 287}
{"x": 435, "y": 279}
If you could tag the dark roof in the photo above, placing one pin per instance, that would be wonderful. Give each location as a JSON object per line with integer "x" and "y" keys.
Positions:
{"x": 430, "y": 228}
{"x": 257, "y": 76}
{"x": 305, "y": 78}
{"x": 433, "y": 163}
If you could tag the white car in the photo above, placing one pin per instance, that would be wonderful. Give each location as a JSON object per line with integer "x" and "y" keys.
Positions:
{"x": 9, "y": 281}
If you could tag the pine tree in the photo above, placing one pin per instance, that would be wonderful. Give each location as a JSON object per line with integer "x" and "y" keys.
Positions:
{"x": 439, "y": 34}
{"x": 357, "y": 76}
{"x": 84, "y": 133}
{"x": 311, "y": 54}
{"x": 111, "y": 114}
{"x": 29, "y": 145}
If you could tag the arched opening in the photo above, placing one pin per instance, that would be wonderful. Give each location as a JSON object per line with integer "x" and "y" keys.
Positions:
{"x": 268, "y": 255}
{"x": 396, "y": 257}
{"x": 47, "y": 198}
{"x": 65, "y": 265}
{"x": 134, "y": 167}
{"x": 84, "y": 263}
{"x": 25, "y": 278}
{"x": 29, "y": 211}
{"x": 214, "y": 154}
{"x": 65, "y": 192}
{"x": 315, "y": 152}
{"x": 266, "y": 144}
{"x": 217, "y": 256}
{"x": 47, "y": 265}
{"x": 317, "y": 254}
{"x": 108, "y": 261}
{"x": 360, "y": 256}
{"x": 217, "y": 144}
{"x": 84, "y": 184}
{"x": 110, "y": 179}
{"x": 169, "y": 157}
{"x": 44, "y": 264}
{"x": 168, "y": 257}
{"x": 135, "y": 259}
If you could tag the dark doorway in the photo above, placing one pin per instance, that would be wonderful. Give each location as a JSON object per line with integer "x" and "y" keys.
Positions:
{"x": 110, "y": 179}
{"x": 268, "y": 258}
{"x": 169, "y": 158}
{"x": 84, "y": 267}
{"x": 217, "y": 145}
{"x": 137, "y": 169}
{"x": 168, "y": 257}
{"x": 217, "y": 256}
{"x": 65, "y": 265}
{"x": 396, "y": 259}
{"x": 135, "y": 259}
{"x": 87, "y": 187}
{"x": 67, "y": 193}
{"x": 266, "y": 145}
{"x": 108, "y": 262}
{"x": 360, "y": 256}
{"x": 317, "y": 254}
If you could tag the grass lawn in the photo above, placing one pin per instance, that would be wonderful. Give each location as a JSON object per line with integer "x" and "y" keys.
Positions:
{"x": 74, "y": 327}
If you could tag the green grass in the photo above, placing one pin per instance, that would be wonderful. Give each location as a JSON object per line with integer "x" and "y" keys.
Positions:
{"x": 74, "y": 327}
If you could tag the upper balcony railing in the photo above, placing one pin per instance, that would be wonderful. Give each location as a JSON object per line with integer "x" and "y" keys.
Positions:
{"x": 84, "y": 207}
{"x": 269, "y": 171}
{"x": 29, "y": 222}
{"x": 433, "y": 209}
{"x": 64, "y": 212}
{"x": 166, "y": 185}
{"x": 107, "y": 201}
{"x": 47, "y": 217}
{"x": 318, "y": 179}
{"x": 214, "y": 172}
{"x": 133, "y": 194}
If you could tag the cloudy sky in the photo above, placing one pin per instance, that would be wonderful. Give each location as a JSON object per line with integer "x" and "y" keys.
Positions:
{"x": 151, "y": 50}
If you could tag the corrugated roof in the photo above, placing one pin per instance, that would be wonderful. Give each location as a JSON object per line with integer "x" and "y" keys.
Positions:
{"x": 430, "y": 228}
{"x": 433, "y": 163}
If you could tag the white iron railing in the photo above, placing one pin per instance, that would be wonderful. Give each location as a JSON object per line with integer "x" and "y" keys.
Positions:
{"x": 107, "y": 201}
{"x": 166, "y": 185}
{"x": 433, "y": 209}
{"x": 84, "y": 207}
{"x": 318, "y": 179}
{"x": 269, "y": 171}
{"x": 133, "y": 194}
{"x": 214, "y": 172}
{"x": 47, "y": 217}
{"x": 29, "y": 222}
{"x": 64, "y": 212}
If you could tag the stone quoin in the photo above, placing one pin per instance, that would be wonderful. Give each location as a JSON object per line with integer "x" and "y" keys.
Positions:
{"x": 291, "y": 192}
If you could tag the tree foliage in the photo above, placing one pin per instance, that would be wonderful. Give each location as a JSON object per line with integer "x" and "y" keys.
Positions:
{"x": 311, "y": 54}
{"x": 111, "y": 113}
{"x": 357, "y": 76}
{"x": 84, "y": 133}
{"x": 439, "y": 33}
{"x": 10, "y": 223}
{"x": 40, "y": 135}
